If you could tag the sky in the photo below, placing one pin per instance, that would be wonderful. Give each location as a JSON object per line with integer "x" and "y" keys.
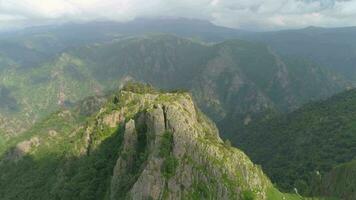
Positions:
{"x": 241, "y": 14}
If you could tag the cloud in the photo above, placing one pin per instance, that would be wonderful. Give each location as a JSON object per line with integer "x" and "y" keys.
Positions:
{"x": 245, "y": 14}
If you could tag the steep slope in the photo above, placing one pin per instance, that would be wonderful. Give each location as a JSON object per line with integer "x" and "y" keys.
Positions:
{"x": 246, "y": 81}
{"x": 141, "y": 144}
{"x": 340, "y": 181}
{"x": 297, "y": 148}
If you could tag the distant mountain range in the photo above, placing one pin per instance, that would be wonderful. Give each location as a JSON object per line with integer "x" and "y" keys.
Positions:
{"x": 231, "y": 81}
{"x": 334, "y": 48}
{"x": 330, "y": 47}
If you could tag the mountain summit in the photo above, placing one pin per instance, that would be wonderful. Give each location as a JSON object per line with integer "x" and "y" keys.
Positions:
{"x": 139, "y": 144}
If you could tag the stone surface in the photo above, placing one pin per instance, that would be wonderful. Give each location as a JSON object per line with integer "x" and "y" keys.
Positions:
{"x": 204, "y": 161}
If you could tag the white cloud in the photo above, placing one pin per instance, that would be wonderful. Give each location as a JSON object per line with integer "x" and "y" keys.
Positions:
{"x": 248, "y": 14}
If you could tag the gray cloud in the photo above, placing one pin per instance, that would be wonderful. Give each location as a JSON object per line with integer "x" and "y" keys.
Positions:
{"x": 245, "y": 14}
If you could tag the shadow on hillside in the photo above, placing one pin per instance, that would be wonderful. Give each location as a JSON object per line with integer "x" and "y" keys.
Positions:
{"x": 61, "y": 176}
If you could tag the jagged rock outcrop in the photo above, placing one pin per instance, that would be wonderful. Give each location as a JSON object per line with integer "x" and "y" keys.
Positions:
{"x": 184, "y": 158}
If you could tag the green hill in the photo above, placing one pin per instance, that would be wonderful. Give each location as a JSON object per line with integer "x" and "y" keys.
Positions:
{"x": 300, "y": 148}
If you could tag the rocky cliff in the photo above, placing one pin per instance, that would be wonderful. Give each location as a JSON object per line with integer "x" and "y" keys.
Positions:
{"x": 185, "y": 158}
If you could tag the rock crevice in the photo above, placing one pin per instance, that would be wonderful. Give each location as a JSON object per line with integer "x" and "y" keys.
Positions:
{"x": 197, "y": 161}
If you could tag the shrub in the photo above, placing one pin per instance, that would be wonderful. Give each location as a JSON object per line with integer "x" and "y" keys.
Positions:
{"x": 169, "y": 166}
{"x": 166, "y": 144}
{"x": 248, "y": 195}
{"x": 139, "y": 88}
{"x": 227, "y": 143}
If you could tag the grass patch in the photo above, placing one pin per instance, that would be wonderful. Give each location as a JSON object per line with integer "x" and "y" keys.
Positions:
{"x": 274, "y": 194}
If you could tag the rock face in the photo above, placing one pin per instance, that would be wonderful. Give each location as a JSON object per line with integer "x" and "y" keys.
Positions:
{"x": 22, "y": 149}
{"x": 184, "y": 158}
